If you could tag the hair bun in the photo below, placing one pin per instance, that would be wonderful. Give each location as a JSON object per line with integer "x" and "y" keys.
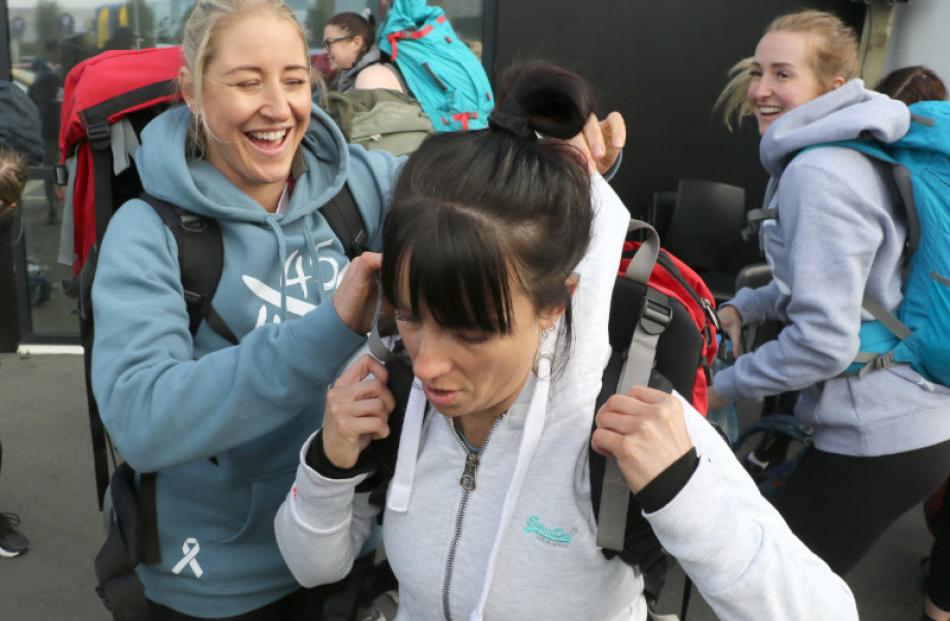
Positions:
{"x": 546, "y": 98}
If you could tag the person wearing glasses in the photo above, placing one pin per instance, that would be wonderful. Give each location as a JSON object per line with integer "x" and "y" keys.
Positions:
{"x": 349, "y": 40}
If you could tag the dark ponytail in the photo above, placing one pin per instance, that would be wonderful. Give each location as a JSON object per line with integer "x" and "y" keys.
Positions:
{"x": 477, "y": 212}
{"x": 354, "y": 24}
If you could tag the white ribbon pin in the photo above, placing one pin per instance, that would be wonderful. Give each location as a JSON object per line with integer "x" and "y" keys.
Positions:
{"x": 190, "y": 549}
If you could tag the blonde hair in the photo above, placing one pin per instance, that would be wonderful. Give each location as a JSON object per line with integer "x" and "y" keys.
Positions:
{"x": 12, "y": 178}
{"x": 198, "y": 41}
{"x": 834, "y": 53}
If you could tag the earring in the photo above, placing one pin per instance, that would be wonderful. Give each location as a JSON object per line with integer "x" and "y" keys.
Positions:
{"x": 545, "y": 351}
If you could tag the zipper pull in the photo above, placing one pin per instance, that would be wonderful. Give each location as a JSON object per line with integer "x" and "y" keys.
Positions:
{"x": 468, "y": 476}
{"x": 710, "y": 313}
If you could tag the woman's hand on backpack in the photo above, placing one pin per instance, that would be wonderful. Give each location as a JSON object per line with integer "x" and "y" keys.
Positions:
{"x": 645, "y": 430}
{"x": 601, "y": 141}
{"x": 357, "y": 412}
{"x": 355, "y": 297}
{"x": 731, "y": 323}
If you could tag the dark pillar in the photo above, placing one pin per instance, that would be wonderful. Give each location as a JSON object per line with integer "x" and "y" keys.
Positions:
{"x": 9, "y": 322}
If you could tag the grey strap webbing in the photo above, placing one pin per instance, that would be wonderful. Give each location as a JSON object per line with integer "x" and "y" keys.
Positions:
{"x": 864, "y": 357}
{"x": 377, "y": 347}
{"x": 615, "y": 493}
{"x": 874, "y": 361}
{"x": 887, "y": 318}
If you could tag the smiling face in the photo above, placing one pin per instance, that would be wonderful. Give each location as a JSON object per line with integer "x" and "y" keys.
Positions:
{"x": 470, "y": 372}
{"x": 342, "y": 48}
{"x": 255, "y": 102}
{"x": 782, "y": 76}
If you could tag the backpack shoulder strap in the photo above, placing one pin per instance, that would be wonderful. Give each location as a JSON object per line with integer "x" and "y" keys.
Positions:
{"x": 640, "y": 544}
{"x": 382, "y": 454}
{"x": 346, "y": 221}
{"x": 903, "y": 182}
{"x": 634, "y": 370}
{"x": 201, "y": 259}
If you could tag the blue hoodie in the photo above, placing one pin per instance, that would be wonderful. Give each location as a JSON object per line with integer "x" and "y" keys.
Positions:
{"x": 170, "y": 402}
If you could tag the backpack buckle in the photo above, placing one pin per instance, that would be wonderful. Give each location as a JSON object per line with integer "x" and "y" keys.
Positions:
{"x": 193, "y": 223}
{"x": 60, "y": 175}
{"x": 657, "y": 312}
{"x": 99, "y": 135}
{"x": 357, "y": 246}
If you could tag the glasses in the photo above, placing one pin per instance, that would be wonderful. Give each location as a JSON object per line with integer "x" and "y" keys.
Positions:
{"x": 326, "y": 43}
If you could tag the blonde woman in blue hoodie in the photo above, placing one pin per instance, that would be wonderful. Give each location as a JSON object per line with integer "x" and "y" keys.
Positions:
{"x": 500, "y": 255}
{"x": 882, "y": 440}
{"x": 249, "y": 150}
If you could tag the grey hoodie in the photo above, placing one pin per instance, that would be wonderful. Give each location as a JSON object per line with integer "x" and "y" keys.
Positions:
{"x": 521, "y": 543}
{"x": 840, "y": 232}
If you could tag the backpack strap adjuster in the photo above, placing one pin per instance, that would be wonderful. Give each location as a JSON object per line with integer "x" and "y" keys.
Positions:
{"x": 657, "y": 312}
{"x": 191, "y": 222}
{"x": 100, "y": 137}
{"x": 192, "y": 298}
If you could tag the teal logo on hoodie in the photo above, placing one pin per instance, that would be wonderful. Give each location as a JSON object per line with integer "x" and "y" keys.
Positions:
{"x": 557, "y": 536}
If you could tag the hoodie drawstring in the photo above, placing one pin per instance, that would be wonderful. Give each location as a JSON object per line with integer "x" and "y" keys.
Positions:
{"x": 312, "y": 251}
{"x": 531, "y": 436}
{"x": 282, "y": 253}
{"x": 401, "y": 489}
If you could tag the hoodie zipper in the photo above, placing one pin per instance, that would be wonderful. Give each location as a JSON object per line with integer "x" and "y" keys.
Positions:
{"x": 467, "y": 481}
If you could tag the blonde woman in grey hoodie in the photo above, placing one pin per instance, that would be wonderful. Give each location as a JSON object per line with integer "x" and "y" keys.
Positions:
{"x": 839, "y": 233}
{"x": 500, "y": 274}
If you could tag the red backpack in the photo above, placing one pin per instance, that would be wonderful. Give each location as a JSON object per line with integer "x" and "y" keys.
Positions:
{"x": 687, "y": 347}
{"x": 132, "y": 85}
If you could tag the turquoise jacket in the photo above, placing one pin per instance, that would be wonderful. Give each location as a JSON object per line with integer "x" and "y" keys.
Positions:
{"x": 171, "y": 402}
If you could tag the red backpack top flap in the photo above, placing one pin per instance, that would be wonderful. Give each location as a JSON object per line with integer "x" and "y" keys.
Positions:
{"x": 108, "y": 76}
{"x": 686, "y": 286}
{"x": 102, "y": 90}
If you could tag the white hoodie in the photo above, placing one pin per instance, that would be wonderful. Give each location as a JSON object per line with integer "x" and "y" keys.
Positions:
{"x": 522, "y": 543}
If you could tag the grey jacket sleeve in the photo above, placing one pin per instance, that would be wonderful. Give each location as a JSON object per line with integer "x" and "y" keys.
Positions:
{"x": 736, "y": 547}
{"x": 756, "y": 306}
{"x": 322, "y": 525}
{"x": 830, "y": 235}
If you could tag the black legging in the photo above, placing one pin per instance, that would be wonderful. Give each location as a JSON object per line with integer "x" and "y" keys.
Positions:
{"x": 938, "y": 582}
{"x": 840, "y": 505}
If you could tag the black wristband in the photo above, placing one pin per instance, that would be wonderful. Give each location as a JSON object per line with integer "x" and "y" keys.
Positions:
{"x": 318, "y": 460}
{"x": 664, "y": 488}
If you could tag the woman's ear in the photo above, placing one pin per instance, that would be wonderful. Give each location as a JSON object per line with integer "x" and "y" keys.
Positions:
{"x": 837, "y": 82}
{"x": 187, "y": 87}
{"x": 571, "y": 283}
{"x": 360, "y": 41}
{"x": 550, "y": 316}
